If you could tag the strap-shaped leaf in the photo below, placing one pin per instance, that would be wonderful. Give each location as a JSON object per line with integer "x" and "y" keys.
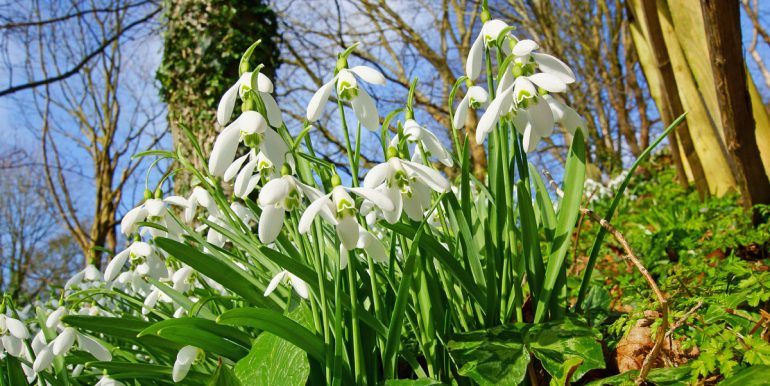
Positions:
{"x": 277, "y": 324}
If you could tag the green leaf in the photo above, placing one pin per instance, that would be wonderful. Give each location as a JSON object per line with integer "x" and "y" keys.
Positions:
{"x": 122, "y": 328}
{"x": 13, "y": 369}
{"x": 413, "y": 382}
{"x": 231, "y": 278}
{"x": 547, "y": 213}
{"x": 669, "y": 376}
{"x": 500, "y": 355}
{"x": 124, "y": 370}
{"x": 224, "y": 376}
{"x": 274, "y": 361}
{"x": 569, "y": 207}
{"x": 557, "y": 343}
{"x": 274, "y": 322}
{"x": 397, "y": 318}
{"x": 158, "y": 153}
{"x": 530, "y": 239}
{"x": 206, "y": 327}
{"x": 754, "y": 375}
{"x": 496, "y": 356}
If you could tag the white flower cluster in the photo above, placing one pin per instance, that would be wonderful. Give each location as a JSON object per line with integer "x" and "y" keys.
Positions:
{"x": 252, "y": 159}
{"x": 597, "y": 191}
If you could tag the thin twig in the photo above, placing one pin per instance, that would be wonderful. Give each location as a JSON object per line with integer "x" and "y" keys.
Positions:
{"x": 660, "y": 335}
{"x": 553, "y": 183}
{"x": 684, "y": 318}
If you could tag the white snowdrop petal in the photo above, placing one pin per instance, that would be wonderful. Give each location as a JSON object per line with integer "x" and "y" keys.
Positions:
{"x": 273, "y": 111}
{"x": 312, "y": 211}
{"x": 234, "y": 167}
{"x": 461, "y": 113}
{"x": 113, "y": 268}
{"x": 64, "y": 341}
{"x": 548, "y": 82}
{"x": 374, "y": 196}
{"x": 43, "y": 360}
{"x": 177, "y": 200}
{"x": 347, "y": 230}
{"x": 524, "y": 47}
{"x": 274, "y": 282}
{"x": 428, "y": 176}
{"x": 128, "y": 223}
{"x": 227, "y": 103}
{"x": 299, "y": 285}
{"x": 264, "y": 84}
{"x": 93, "y": 347}
{"x": 475, "y": 55}
{"x": 270, "y": 223}
{"x": 242, "y": 180}
{"x": 377, "y": 175}
{"x": 319, "y": 99}
{"x": 225, "y": 146}
{"x": 53, "y": 319}
{"x": 140, "y": 248}
{"x": 366, "y": 110}
{"x": 552, "y": 65}
{"x": 369, "y": 74}
{"x": 274, "y": 148}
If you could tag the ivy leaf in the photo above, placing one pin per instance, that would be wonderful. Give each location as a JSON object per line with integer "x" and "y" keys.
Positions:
{"x": 496, "y": 356}
{"x": 273, "y": 360}
{"x": 557, "y": 344}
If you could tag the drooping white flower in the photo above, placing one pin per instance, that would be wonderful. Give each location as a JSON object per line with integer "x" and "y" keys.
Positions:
{"x": 248, "y": 176}
{"x": 198, "y": 197}
{"x": 54, "y": 318}
{"x": 184, "y": 360}
{"x": 90, "y": 275}
{"x": 64, "y": 341}
{"x": 547, "y": 64}
{"x": 348, "y": 89}
{"x": 278, "y": 196}
{"x": 370, "y": 244}
{"x": 489, "y": 33}
{"x": 338, "y": 209}
{"x": 298, "y": 284}
{"x": 244, "y": 85}
{"x": 565, "y": 115}
{"x": 14, "y": 327}
{"x": 154, "y": 210}
{"x": 252, "y": 129}
{"x": 407, "y": 184}
{"x": 421, "y": 136}
{"x": 93, "y": 347}
{"x": 475, "y": 98}
{"x": 43, "y": 359}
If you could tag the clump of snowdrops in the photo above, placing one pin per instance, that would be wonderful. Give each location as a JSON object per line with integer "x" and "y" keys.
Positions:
{"x": 280, "y": 268}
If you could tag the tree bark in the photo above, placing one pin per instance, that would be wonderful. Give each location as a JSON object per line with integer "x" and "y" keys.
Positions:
{"x": 672, "y": 105}
{"x": 723, "y": 33}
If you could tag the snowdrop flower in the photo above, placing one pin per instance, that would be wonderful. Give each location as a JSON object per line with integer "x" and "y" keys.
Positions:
{"x": 262, "y": 86}
{"x": 251, "y": 129}
{"x": 278, "y": 196}
{"x": 298, "y": 284}
{"x": 475, "y": 98}
{"x": 150, "y": 301}
{"x": 184, "y": 359}
{"x": 245, "y": 177}
{"x": 565, "y": 115}
{"x": 244, "y": 214}
{"x": 154, "y": 210}
{"x": 64, "y": 341}
{"x": 348, "y": 89}
{"x": 490, "y": 32}
{"x": 181, "y": 279}
{"x": 43, "y": 359}
{"x": 198, "y": 197}
{"x": 89, "y": 275}
{"x": 54, "y": 318}
{"x": 419, "y": 135}
{"x": 338, "y": 208}
{"x": 370, "y": 244}
{"x": 406, "y": 184}
{"x": 13, "y": 333}
{"x": 93, "y": 347}
{"x": 547, "y": 64}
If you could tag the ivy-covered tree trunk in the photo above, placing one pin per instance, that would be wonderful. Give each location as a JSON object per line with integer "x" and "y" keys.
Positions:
{"x": 204, "y": 41}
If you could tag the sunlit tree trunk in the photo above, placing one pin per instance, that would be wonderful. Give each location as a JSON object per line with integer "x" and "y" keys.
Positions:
{"x": 725, "y": 51}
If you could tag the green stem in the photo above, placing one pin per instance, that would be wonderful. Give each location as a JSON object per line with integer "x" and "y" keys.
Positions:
{"x": 351, "y": 155}
{"x": 358, "y": 352}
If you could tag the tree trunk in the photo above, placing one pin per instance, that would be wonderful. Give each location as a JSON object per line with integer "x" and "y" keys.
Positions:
{"x": 722, "y": 20}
